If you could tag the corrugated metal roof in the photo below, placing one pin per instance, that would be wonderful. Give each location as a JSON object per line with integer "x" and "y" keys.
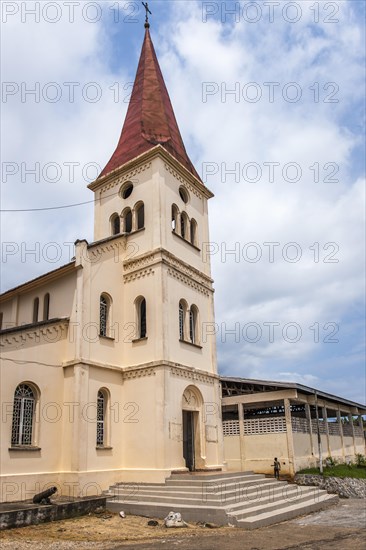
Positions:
{"x": 294, "y": 385}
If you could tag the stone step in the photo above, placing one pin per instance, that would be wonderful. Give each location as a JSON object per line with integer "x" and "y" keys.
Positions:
{"x": 267, "y": 504}
{"x": 244, "y": 493}
{"x": 267, "y": 498}
{"x": 240, "y": 486}
{"x": 213, "y": 476}
{"x": 244, "y": 500}
{"x": 269, "y": 518}
{"x": 219, "y": 516}
{"x": 235, "y": 500}
{"x": 199, "y": 481}
{"x": 192, "y": 481}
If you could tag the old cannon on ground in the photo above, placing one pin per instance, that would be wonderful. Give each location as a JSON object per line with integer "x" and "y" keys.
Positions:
{"x": 44, "y": 497}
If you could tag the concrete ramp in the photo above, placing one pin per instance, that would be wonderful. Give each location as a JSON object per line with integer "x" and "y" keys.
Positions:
{"x": 241, "y": 499}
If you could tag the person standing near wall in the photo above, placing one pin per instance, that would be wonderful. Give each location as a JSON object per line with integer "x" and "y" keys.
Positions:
{"x": 277, "y": 467}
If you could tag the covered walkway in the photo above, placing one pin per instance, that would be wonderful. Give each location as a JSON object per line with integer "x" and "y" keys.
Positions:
{"x": 290, "y": 416}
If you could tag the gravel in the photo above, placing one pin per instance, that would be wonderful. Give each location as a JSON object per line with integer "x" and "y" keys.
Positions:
{"x": 345, "y": 487}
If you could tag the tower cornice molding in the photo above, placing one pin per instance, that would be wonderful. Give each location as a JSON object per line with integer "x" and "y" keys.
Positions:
{"x": 149, "y": 369}
{"x": 181, "y": 269}
{"x": 193, "y": 188}
{"x": 142, "y": 163}
{"x": 176, "y": 369}
{"x": 120, "y": 175}
{"x": 189, "y": 281}
{"x": 117, "y": 243}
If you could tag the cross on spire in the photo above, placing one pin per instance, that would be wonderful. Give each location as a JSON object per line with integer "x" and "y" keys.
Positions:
{"x": 146, "y": 6}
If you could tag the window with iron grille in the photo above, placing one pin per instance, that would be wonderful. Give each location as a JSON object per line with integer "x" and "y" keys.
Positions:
{"x": 23, "y": 415}
{"x": 103, "y": 316}
{"x": 100, "y": 418}
{"x": 181, "y": 322}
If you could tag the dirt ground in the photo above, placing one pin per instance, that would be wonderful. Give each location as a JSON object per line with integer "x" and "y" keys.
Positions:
{"x": 340, "y": 527}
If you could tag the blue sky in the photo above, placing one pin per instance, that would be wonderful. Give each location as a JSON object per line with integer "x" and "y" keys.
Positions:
{"x": 314, "y": 56}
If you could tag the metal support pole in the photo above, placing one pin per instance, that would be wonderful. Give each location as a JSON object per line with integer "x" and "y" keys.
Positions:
{"x": 319, "y": 437}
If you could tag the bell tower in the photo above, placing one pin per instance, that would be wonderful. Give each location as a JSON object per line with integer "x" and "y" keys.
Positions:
{"x": 150, "y": 199}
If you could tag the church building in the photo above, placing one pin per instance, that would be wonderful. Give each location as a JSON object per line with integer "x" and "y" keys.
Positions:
{"x": 106, "y": 374}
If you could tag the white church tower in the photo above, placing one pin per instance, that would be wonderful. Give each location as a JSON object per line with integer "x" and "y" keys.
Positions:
{"x": 108, "y": 366}
{"x": 159, "y": 300}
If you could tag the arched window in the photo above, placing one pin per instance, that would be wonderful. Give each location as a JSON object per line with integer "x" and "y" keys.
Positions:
{"x": 101, "y": 418}
{"x": 35, "y": 310}
{"x": 104, "y": 314}
{"x": 182, "y": 319}
{"x": 175, "y": 212}
{"x": 141, "y": 318}
{"x": 184, "y": 225}
{"x": 193, "y": 325}
{"x": 194, "y": 232}
{"x": 115, "y": 224}
{"x": 140, "y": 215}
{"x": 127, "y": 220}
{"x": 46, "y": 307}
{"x": 181, "y": 322}
{"x": 23, "y": 415}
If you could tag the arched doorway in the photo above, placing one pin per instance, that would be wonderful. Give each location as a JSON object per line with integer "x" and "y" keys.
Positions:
{"x": 191, "y": 411}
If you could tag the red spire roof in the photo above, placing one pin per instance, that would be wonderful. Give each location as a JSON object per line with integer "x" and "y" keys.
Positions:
{"x": 150, "y": 118}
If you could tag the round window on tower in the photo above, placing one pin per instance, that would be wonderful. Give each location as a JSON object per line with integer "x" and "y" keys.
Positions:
{"x": 183, "y": 194}
{"x": 126, "y": 190}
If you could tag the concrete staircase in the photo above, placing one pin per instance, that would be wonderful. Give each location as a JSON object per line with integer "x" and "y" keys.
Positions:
{"x": 240, "y": 499}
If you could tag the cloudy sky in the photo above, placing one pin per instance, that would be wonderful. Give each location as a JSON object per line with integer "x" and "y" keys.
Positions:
{"x": 269, "y": 99}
